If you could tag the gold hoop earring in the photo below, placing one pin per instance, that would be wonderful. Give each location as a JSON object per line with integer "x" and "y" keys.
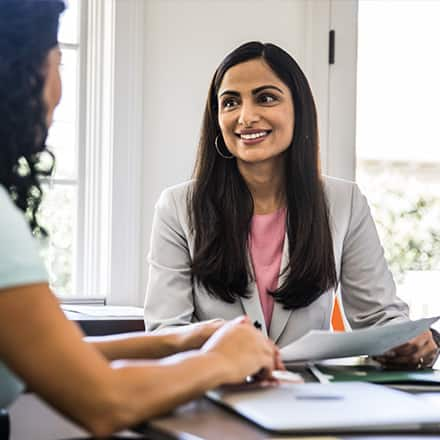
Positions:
{"x": 218, "y": 149}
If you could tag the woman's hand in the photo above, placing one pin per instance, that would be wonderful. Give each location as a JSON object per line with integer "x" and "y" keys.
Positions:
{"x": 194, "y": 336}
{"x": 243, "y": 351}
{"x": 419, "y": 352}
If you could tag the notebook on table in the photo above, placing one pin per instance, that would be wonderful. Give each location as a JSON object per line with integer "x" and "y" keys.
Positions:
{"x": 314, "y": 408}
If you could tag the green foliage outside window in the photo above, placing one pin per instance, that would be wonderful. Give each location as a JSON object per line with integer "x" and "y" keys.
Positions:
{"x": 408, "y": 223}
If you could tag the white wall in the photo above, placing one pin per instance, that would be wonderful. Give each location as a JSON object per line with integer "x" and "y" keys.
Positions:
{"x": 184, "y": 42}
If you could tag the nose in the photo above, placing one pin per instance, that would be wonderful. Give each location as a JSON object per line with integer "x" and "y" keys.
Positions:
{"x": 248, "y": 114}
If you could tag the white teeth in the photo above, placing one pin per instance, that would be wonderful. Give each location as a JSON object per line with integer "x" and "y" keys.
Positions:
{"x": 253, "y": 135}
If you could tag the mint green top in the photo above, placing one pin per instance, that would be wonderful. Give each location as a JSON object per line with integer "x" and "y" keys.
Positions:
{"x": 20, "y": 264}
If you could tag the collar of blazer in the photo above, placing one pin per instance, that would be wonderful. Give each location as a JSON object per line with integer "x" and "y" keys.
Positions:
{"x": 252, "y": 305}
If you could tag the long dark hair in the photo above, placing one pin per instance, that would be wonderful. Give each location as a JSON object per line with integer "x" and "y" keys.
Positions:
{"x": 220, "y": 206}
{"x": 27, "y": 33}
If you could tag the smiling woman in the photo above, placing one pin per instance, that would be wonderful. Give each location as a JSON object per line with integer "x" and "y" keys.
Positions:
{"x": 260, "y": 230}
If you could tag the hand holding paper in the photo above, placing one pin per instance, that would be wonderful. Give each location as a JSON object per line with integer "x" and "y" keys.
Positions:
{"x": 326, "y": 344}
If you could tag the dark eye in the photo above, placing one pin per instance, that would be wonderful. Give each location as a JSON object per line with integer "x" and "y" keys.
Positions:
{"x": 267, "y": 98}
{"x": 229, "y": 103}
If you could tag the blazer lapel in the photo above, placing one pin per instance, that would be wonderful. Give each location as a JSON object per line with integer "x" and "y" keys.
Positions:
{"x": 252, "y": 305}
{"x": 280, "y": 316}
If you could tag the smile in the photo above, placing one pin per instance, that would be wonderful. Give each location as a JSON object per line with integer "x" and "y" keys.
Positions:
{"x": 251, "y": 136}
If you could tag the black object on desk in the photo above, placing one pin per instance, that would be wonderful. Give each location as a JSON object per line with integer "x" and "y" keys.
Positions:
{"x": 4, "y": 424}
{"x": 106, "y": 325}
{"x": 155, "y": 433}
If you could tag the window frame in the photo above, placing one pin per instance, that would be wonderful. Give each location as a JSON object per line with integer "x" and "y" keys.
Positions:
{"x": 73, "y": 182}
{"x": 108, "y": 251}
{"x": 341, "y": 147}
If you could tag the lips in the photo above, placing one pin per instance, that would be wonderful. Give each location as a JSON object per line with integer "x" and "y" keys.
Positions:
{"x": 252, "y": 135}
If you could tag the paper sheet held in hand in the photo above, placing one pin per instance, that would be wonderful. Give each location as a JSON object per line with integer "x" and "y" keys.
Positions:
{"x": 326, "y": 344}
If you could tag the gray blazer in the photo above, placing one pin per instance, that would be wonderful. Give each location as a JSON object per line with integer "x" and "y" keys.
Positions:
{"x": 367, "y": 287}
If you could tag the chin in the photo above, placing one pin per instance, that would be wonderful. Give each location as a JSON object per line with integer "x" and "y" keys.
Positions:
{"x": 254, "y": 158}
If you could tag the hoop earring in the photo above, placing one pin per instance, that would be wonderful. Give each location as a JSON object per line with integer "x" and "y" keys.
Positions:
{"x": 218, "y": 149}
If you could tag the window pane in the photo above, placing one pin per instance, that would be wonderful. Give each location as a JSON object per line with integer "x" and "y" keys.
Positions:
{"x": 62, "y": 142}
{"x": 398, "y": 144}
{"x": 58, "y": 212}
{"x": 62, "y": 138}
{"x": 68, "y": 32}
{"x": 58, "y": 215}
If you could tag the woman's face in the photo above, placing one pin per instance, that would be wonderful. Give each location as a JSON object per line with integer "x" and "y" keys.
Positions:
{"x": 52, "y": 85}
{"x": 256, "y": 112}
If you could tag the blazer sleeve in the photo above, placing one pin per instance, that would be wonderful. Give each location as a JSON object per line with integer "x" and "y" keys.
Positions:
{"x": 368, "y": 290}
{"x": 169, "y": 296}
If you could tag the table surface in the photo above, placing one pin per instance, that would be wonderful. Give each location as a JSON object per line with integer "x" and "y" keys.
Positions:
{"x": 208, "y": 421}
{"x": 200, "y": 419}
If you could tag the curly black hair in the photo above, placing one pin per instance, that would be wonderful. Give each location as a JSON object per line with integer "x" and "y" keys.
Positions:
{"x": 28, "y": 30}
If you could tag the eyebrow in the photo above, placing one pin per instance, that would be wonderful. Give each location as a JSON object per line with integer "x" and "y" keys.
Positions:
{"x": 254, "y": 91}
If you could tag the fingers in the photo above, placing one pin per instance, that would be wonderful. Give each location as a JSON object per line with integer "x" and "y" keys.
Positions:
{"x": 245, "y": 350}
{"x": 419, "y": 352}
{"x": 275, "y": 352}
{"x": 266, "y": 352}
{"x": 278, "y": 362}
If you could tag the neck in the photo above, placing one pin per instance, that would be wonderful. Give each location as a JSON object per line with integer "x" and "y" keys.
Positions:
{"x": 265, "y": 181}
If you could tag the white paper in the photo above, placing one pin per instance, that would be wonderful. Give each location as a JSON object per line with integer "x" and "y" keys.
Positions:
{"x": 323, "y": 344}
{"x": 115, "y": 311}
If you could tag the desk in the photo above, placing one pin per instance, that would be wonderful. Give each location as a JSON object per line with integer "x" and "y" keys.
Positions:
{"x": 106, "y": 325}
{"x": 32, "y": 419}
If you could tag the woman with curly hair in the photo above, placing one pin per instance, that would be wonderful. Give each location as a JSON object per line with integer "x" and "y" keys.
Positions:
{"x": 39, "y": 347}
{"x": 260, "y": 230}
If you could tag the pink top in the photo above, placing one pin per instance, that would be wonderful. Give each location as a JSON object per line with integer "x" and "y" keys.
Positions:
{"x": 266, "y": 249}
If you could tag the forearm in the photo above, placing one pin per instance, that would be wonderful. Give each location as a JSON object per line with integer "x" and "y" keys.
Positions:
{"x": 73, "y": 377}
{"x": 137, "y": 346}
{"x": 166, "y": 342}
{"x": 128, "y": 392}
{"x": 165, "y": 384}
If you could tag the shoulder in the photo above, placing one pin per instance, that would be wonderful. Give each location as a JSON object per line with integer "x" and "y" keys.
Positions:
{"x": 172, "y": 206}
{"x": 346, "y": 203}
{"x": 342, "y": 194}
{"x": 177, "y": 194}
{"x": 12, "y": 220}
{"x": 22, "y": 263}
{"x": 336, "y": 188}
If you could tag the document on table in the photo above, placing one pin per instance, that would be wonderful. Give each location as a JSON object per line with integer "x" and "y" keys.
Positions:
{"x": 105, "y": 311}
{"x": 326, "y": 344}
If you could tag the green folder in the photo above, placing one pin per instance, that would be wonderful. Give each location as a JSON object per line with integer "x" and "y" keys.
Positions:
{"x": 369, "y": 373}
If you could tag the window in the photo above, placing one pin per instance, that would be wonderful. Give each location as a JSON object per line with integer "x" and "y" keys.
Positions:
{"x": 92, "y": 204}
{"x": 397, "y": 140}
{"x": 59, "y": 210}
